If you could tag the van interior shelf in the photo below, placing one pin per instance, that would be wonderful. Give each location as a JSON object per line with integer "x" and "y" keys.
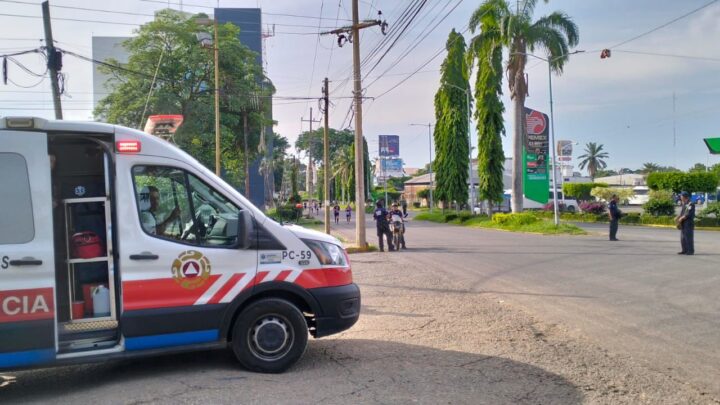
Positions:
{"x": 93, "y": 260}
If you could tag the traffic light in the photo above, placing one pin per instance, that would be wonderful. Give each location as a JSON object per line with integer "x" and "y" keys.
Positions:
{"x": 713, "y": 145}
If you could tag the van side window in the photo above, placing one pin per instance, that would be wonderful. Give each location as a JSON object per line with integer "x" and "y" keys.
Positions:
{"x": 173, "y": 204}
{"x": 16, "y": 216}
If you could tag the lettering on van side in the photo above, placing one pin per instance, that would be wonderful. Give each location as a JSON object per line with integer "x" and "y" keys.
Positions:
{"x": 292, "y": 255}
{"x": 4, "y": 262}
{"x": 26, "y": 305}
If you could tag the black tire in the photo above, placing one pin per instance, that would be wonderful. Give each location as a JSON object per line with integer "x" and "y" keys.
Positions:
{"x": 269, "y": 336}
{"x": 571, "y": 209}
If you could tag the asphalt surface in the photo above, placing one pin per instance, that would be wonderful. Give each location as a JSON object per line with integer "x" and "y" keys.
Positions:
{"x": 635, "y": 297}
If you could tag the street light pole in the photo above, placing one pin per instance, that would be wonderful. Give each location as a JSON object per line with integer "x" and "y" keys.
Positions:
{"x": 430, "y": 189}
{"x": 553, "y": 154}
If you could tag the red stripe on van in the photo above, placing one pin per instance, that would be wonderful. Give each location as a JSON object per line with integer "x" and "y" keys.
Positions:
{"x": 327, "y": 277}
{"x": 226, "y": 288}
{"x": 161, "y": 293}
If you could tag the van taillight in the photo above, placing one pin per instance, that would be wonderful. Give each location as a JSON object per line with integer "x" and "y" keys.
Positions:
{"x": 127, "y": 146}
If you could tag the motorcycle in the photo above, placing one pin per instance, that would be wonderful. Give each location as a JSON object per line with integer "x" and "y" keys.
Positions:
{"x": 397, "y": 228}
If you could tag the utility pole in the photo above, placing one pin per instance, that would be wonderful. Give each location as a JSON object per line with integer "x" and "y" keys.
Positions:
{"x": 54, "y": 60}
{"x": 354, "y": 37}
{"x": 309, "y": 171}
{"x": 326, "y": 157}
{"x": 216, "y": 57}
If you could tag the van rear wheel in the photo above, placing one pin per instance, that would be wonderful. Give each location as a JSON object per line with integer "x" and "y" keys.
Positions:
{"x": 269, "y": 336}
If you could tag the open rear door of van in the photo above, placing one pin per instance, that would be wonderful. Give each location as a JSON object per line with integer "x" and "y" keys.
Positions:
{"x": 27, "y": 299}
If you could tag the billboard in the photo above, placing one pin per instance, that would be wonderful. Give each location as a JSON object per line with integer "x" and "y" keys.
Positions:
{"x": 389, "y": 145}
{"x": 391, "y": 167}
{"x": 564, "y": 150}
{"x": 536, "y": 148}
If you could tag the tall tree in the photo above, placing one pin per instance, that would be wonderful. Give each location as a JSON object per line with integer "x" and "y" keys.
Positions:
{"x": 186, "y": 88}
{"x": 555, "y": 33}
{"x": 649, "y": 167}
{"x": 486, "y": 49}
{"x": 343, "y": 169}
{"x": 593, "y": 158}
{"x": 451, "y": 125}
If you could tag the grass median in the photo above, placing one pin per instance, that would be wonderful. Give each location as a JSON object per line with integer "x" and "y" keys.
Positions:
{"x": 526, "y": 223}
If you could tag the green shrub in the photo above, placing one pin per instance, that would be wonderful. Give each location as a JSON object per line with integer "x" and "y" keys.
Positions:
{"x": 712, "y": 209}
{"x": 523, "y": 218}
{"x": 416, "y": 204}
{"x": 679, "y": 181}
{"x": 659, "y": 207}
{"x": 580, "y": 191}
{"x": 646, "y": 219}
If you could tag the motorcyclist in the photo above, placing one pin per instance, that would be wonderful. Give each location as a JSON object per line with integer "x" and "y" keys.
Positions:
{"x": 395, "y": 211}
{"x": 383, "y": 228}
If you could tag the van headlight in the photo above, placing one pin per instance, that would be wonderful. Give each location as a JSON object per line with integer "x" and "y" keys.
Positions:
{"x": 327, "y": 253}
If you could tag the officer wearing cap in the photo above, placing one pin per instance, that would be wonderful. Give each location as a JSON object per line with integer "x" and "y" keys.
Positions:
{"x": 614, "y": 214}
{"x": 686, "y": 224}
{"x": 383, "y": 228}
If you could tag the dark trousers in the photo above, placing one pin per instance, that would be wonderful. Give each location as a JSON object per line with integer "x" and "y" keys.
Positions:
{"x": 613, "y": 229}
{"x": 687, "y": 239}
{"x": 384, "y": 231}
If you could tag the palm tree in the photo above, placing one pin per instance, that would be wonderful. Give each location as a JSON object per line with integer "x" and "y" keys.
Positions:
{"x": 343, "y": 167}
{"x": 554, "y": 33}
{"x": 593, "y": 159}
{"x": 650, "y": 168}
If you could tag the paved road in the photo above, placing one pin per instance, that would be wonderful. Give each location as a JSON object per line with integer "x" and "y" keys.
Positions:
{"x": 635, "y": 297}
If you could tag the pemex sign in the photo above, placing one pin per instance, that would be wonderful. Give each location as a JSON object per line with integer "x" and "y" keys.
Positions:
{"x": 713, "y": 145}
{"x": 536, "y": 148}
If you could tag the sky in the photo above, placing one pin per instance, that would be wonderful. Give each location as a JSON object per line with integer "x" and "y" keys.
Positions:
{"x": 624, "y": 102}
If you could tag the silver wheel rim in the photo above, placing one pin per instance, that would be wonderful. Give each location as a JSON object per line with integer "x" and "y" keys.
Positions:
{"x": 261, "y": 326}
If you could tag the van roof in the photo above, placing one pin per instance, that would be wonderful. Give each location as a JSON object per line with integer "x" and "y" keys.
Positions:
{"x": 58, "y": 125}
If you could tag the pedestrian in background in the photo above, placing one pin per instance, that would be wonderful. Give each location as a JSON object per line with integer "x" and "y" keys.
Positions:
{"x": 404, "y": 207}
{"x": 348, "y": 213}
{"x": 686, "y": 224}
{"x": 336, "y": 213}
{"x": 614, "y": 213}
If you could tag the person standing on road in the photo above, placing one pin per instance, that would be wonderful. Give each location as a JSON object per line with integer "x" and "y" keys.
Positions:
{"x": 348, "y": 213}
{"x": 686, "y": 224}
{"x": 383, "y": 228}
{"x": 336, "y": 213}
{"x": 403, "y": 204}
{"x": 614, "y": 214}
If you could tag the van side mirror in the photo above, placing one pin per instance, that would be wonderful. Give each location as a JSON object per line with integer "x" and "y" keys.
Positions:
{"x": 245, "y": 227}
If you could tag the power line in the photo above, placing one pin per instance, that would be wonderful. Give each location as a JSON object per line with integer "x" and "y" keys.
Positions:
{"x": 417, "y": 42}
{"x": 317, "y": 43}
{"x": 669, "y": 55}
{"x": 129, "y": 13}
{"x": 659, "y": 27}
{"x": 136, "y": 24}
{"x": 211, "y": 7}
{"x": 418, "y": 69}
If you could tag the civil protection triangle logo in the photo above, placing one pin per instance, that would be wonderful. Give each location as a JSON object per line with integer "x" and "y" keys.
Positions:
{"x": 191, "y": 269}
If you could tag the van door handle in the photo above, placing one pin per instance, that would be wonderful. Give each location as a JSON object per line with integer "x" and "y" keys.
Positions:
{"x": 26, "y": 261}
{"x": 144, "y": 256}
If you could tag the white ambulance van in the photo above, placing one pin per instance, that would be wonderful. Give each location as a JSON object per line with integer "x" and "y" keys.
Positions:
{"x": 115, "y": 243}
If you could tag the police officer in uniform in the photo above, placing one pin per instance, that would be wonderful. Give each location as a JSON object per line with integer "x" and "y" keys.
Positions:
{"x": 383, "y": 228}
{"x": 686, "y": 224}
{"x": 614, "y": 214}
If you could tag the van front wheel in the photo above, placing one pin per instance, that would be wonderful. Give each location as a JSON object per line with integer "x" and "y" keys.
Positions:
{"x": 269, "y": 336}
